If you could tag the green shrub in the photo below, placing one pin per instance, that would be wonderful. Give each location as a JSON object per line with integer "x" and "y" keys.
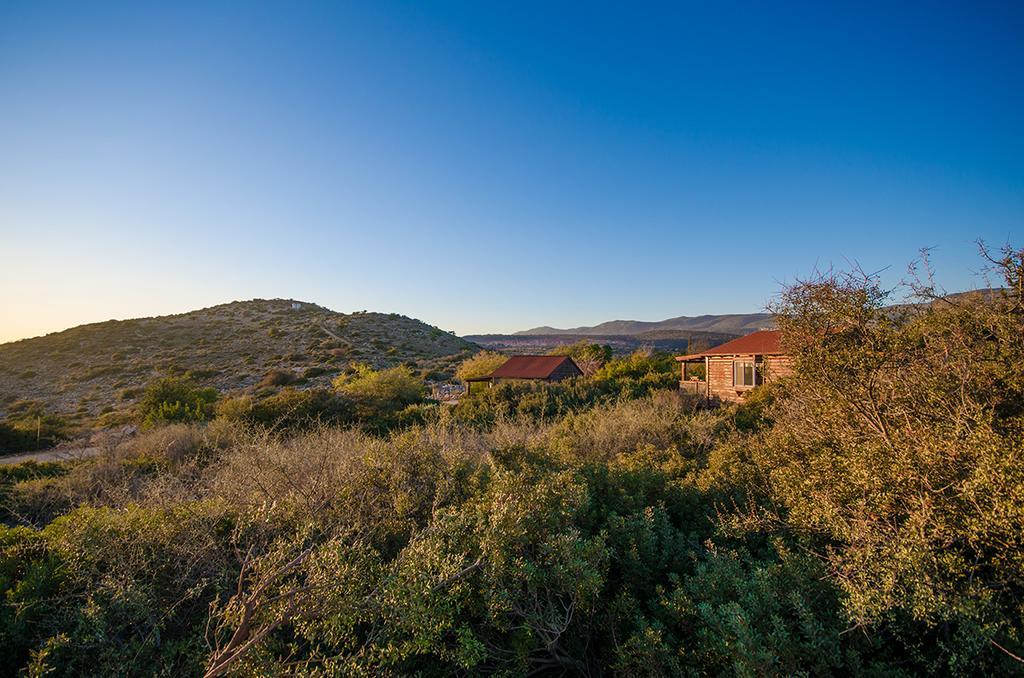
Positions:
{"x": 756, "y": 618}
{"x": 115, "y": 568}
{"x": 379, "y": 395}
{"x": 288, "y": 409}
{"x": 30, "y": 470}
{"x": 30, "y": 589}
{"x": 13, "y": 439}
{"x": 895, "y": 450}
{"x": 175, "y": 399}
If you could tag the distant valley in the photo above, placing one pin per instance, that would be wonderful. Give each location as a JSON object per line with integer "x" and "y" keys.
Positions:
{"x": 733, "y": 324}
{"x": 661, "y": 340}
{"x": 678, "y": 334}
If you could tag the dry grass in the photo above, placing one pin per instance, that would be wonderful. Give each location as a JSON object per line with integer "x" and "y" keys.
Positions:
{"x": 665, "y": 420}
{"x": 339, "y": 475}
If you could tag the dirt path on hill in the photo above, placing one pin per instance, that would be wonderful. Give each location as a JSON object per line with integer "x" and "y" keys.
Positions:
{"x": 51, "y": 455}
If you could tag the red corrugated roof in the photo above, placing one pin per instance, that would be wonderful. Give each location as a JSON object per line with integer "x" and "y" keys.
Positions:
{"x": 763, "y": 342}
{"x": 530, "y": 366}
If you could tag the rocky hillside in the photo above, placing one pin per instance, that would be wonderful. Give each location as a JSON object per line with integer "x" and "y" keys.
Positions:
{"x": 91, "y": 369}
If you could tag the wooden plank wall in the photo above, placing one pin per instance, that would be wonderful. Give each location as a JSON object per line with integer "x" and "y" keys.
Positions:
{"x": 720, "y": 374}
{"x": 566, "y": 370}
{"x": 720, "y": 379}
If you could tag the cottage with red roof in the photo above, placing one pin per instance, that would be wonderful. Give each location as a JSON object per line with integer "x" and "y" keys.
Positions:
{"x": 735, "y": 367}
{"x": 532, "y": 368}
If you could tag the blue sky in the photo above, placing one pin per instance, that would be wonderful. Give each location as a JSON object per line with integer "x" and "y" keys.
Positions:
{"x": 493, "y": 168}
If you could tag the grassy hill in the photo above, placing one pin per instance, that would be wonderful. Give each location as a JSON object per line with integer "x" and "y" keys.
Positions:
{"x": 91, "y": 369}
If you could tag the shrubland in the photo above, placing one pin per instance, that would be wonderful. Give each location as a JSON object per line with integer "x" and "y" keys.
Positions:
{"x": 864, "y": 516}
{"x": 29, "y": 426}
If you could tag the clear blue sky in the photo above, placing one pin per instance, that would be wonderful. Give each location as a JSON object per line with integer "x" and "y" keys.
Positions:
{"x": 490, "y": 168}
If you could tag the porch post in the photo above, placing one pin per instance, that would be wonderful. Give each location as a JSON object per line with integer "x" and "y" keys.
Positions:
{"x": 707, "y": 378}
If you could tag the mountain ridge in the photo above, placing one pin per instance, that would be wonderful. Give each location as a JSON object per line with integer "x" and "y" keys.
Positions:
{"x": 729, "y": 323}
{"x": 725, "y": 323}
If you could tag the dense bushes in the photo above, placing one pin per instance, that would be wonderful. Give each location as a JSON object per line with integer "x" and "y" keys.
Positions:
{"x": 862, "y": 518}
{"x": 102, "y": 592}
{"x": 175, "y": 399}
{"x": 393, "y": 388}
{"x": 633, "y": 376}
{"x": 13, "y": 439}
{"x": 378, "y": 400}
{"x": 908, "y": 429}
{"x": 289, "y": 408}
{"x": 383, "y": 399}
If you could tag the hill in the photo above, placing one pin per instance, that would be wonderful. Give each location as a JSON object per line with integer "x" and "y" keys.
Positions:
{"x": 733, "y": 324}
{"x": 90, "y": 369}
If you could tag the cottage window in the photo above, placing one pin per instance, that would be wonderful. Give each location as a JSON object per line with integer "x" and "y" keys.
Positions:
{"x": 744, "y": 373}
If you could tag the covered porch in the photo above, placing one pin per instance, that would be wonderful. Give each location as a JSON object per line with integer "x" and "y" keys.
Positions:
{"x": 478, "y": 380}
{"x": 690, "y": 379}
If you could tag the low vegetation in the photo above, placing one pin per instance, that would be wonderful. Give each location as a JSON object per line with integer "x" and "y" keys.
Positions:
{"x": 175, "y": 399}
{"x": 90, "y": 376}
{"x": 864, "y": 516}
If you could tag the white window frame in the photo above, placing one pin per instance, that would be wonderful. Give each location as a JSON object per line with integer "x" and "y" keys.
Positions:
{"x": 752, "y": 361}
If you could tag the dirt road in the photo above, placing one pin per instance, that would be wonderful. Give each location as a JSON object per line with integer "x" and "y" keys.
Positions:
{"x": 56, "y": 454}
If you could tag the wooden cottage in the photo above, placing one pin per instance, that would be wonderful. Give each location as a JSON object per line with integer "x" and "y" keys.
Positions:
{"x": 532, "y": 368}
{"x": 734, "y": 368}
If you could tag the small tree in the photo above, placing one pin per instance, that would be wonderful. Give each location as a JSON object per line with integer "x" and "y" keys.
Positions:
{"x": 480, "y": 365}
{"x": 176, "y": 399}
{"x": 895, "y": 455}
{"x": 588, "y": 357}
{"x": 381, "y": 390}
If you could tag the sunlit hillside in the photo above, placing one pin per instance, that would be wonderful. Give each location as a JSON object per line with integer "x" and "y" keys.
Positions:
{"x": 88, "y": 370}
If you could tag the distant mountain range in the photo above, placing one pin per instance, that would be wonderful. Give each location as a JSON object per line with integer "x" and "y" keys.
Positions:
{"x": 733, "y": 324}
{"x": 674, "y": 341}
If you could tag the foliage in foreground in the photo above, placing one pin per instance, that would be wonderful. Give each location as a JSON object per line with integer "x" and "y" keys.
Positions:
{"x": 864, "y": 517}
